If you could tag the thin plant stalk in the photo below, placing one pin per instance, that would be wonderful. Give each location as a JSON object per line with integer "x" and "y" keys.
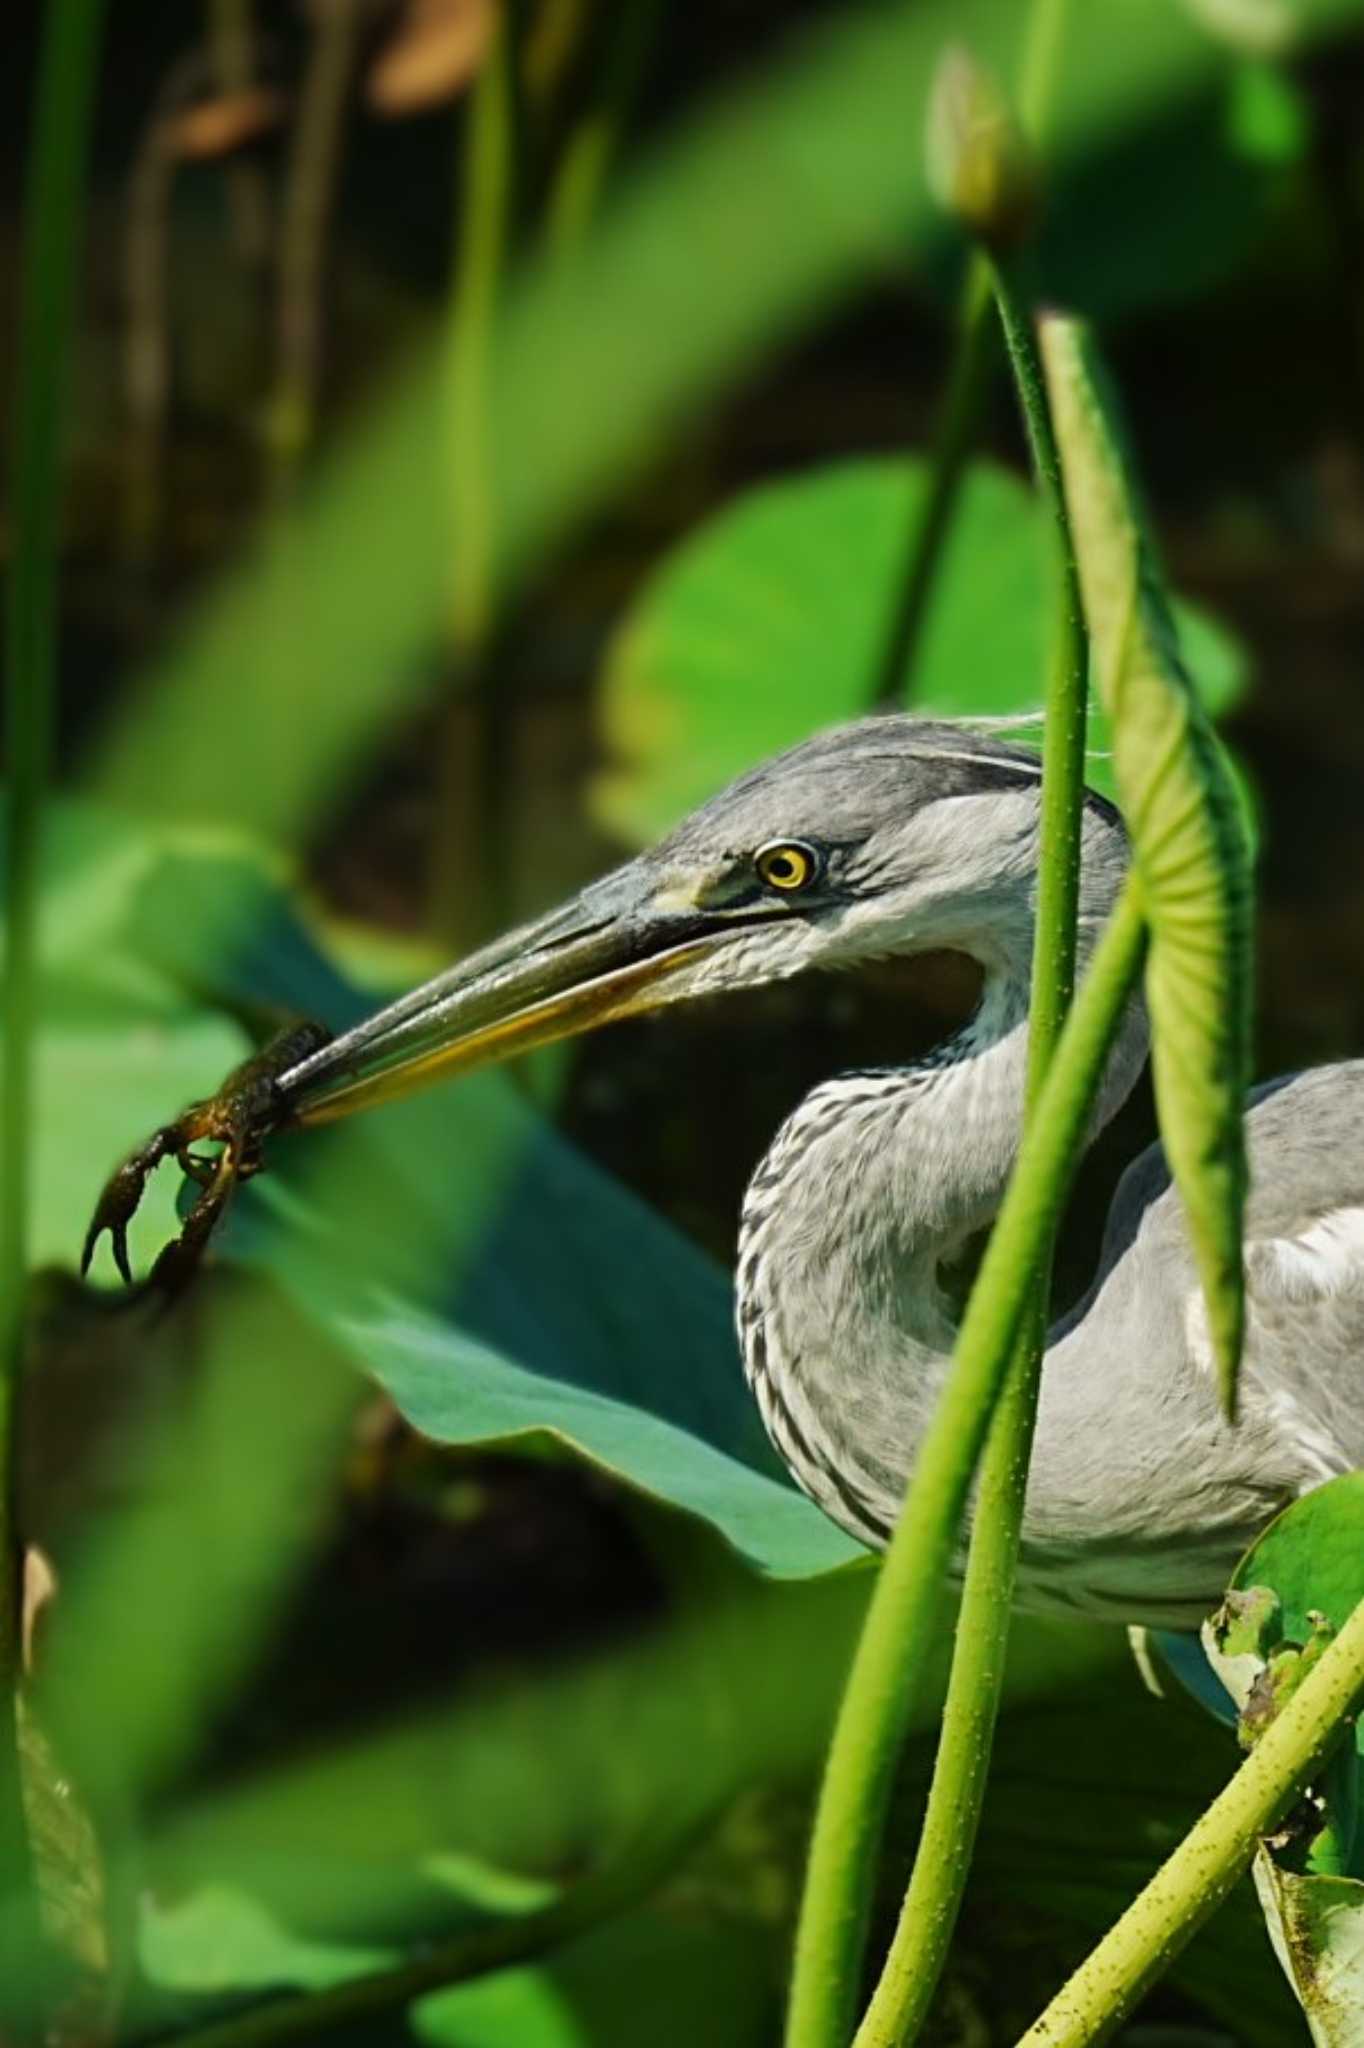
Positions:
{"x": 309, "y": 195}
{"x": 52, "y": 220}
{"x": 468, "y": 848}
{"x": 585, "y": 164}
{"x": 1195, "y": 1879}
{"x": 146, "y": 315}
{"x": 627, "y": 1881}
{"x": 906, "y": 1604}
{"x": 487, "y": 198}
{"x": 968, "y": 388}
{"x": 470, "y": 851}
{"x": 1041, "y": 67}
{"x": 956, "y": 1794}
{"x": 232, "y": 44}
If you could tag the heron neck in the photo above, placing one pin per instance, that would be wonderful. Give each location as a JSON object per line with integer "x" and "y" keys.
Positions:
{"x": 869, "y": 1195}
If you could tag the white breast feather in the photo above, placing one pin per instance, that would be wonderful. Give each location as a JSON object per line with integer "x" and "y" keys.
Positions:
{"x": 1322, "y": 1263}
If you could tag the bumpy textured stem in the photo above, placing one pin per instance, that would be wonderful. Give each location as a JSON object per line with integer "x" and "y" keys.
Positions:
{"x": 957, "y": 1792}
{"x": 56, "y": 178}
{"x": 1193, "y": 1882}
{"x": 905, "y": 1609}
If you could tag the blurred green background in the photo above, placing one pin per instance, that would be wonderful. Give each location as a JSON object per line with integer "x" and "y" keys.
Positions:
{"x": 488, "y": 431}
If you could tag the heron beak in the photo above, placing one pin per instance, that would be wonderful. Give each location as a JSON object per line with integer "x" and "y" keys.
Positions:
{"x": 601, "y": 957}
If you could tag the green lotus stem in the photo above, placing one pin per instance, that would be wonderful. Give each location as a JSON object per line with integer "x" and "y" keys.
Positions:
{"x": 1193, "y": 1882}
{"x": 585, "y": 162}
{"x": 1041, "y": 65}
{"x": 905, "y": 1610}
{"x": 232, "y": 48}
{"x": 956, "y": 1794}
{"x": 968, "y": 387}
{"x": 305, "y": 218}
{"x": 52, "y": 220}
{"x": 487, "y": 195}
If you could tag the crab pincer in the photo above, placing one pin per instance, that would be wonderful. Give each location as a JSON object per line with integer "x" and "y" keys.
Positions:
{"x": 246, "y": 1109}
{"x": 120, "y": 1198}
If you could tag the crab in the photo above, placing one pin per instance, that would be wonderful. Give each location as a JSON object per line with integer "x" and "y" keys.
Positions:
{"x": 239, "y": 1117}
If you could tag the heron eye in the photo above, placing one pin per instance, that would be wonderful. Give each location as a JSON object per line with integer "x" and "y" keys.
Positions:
{"x": 786, "y": 865}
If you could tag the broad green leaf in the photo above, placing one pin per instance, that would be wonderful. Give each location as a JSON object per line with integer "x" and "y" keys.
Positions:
{"x": 458, "y": 1250}
{"x": 771, "y": 620}
{"x": 526, "y": 1776}
{"x": 1261, "y": 28}
{"x": 672, "y": 1978}
{"x": 756, "y": 217}
{"x": 694, "y": 1974}
{"x": 1190, "y": 848}
{"x": 1095, "y": 1783}
{"x": 121, "y": 1042}
{"x": 219, "y": 1939}
{"x": 102, "y": 1087}
{"x": 501, "y": 1287}
{"x": 1121, "y": 1777}
{"x": 1312, "y": 1556}
{"x": 1308, "y": 1571}
{"x": 1175, "y": 210}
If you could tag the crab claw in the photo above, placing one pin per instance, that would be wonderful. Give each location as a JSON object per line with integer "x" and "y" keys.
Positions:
{"x": 177, "y": 1261}
{"x": 119, "y": 1199}
{"x": 246, "y": 1109}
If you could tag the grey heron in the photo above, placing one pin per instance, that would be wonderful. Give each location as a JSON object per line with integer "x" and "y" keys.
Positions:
{"x": 899, "y": 835}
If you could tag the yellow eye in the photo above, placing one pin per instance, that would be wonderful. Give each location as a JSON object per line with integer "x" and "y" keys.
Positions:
{"x": 786, "y": 865}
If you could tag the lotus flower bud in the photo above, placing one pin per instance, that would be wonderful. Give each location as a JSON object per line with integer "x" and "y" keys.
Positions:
{"x": 980, "y": 169}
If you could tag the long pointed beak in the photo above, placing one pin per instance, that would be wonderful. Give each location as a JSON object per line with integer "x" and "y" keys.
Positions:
{"x": 604, "y": 955}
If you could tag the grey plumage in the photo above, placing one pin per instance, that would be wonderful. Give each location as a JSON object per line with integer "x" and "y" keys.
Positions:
{"x": 920, "y": 836}
{"x": 1141, "y": 1496}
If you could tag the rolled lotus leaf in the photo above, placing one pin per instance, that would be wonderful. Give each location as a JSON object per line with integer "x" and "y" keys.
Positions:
{"x": 1316, "y": 1926}
{"x": 1189, "y": 842}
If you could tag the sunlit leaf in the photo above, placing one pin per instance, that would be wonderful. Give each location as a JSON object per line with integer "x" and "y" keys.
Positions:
{"x": 416, "y": 1239}
{"x": 1190, "y": 846}
{"x": 1261, "y": 28}
{"x": 696, "y": 1976}
{"x": 1307, "y": 1574}
{"x": 1095, "y": 1782}
{"x": 1312, "y": 1556}
{"x": 764, "y": 212}
{"x": 119, "y": 1038}
{"x": 218, "y": 1939}
{"x": 771, "y": 620}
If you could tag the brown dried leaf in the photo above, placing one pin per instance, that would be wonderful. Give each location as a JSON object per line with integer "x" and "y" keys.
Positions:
{"x": 217, "y": 127}
{"x": 437, "y": 48}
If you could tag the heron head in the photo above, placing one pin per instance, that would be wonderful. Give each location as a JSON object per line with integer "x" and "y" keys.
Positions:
{"x": 893, "y": 835}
